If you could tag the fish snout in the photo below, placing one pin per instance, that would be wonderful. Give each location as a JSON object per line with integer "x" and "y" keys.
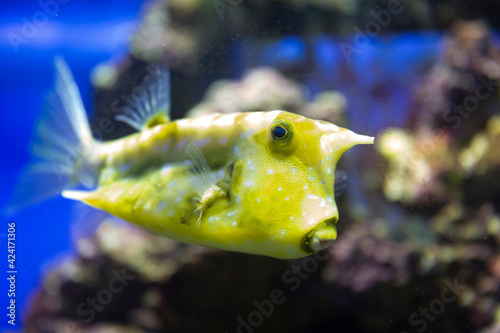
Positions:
{"x": 321, "y": 237}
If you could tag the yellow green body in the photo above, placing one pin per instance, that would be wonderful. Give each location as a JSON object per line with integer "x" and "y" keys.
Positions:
{"x": 259, "y": 182}
{"x": 275, "y": 197}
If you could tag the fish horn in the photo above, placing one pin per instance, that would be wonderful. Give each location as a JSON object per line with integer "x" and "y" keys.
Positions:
{"x": 340, "y": 141}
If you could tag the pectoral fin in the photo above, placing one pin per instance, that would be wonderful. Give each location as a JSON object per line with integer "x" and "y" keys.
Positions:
{"x": 205, "y": 182}
{"x": 204, "y": 179}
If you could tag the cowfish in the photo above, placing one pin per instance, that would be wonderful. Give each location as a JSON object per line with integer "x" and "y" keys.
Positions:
{"x": 253, "y": 182}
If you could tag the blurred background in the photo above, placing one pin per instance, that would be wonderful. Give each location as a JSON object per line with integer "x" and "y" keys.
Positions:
{"x": 419, "y": 228}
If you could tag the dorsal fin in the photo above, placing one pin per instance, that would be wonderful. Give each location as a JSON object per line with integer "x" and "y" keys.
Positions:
{"x": 152, "y": 106}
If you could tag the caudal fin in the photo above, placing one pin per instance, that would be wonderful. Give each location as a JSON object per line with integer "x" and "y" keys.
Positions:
{"x": 63, "y": 140}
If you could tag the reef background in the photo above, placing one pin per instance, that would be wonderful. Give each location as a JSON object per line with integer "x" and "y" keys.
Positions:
{"x": 419, "y": 230}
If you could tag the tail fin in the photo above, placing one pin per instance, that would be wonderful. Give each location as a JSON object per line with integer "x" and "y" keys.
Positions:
{"x": 63, "y": 140}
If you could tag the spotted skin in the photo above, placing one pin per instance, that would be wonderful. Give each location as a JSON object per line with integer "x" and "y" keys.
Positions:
{"x": 277, "y": 194}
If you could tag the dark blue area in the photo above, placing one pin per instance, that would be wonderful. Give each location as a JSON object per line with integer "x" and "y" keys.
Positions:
{"x": 376, "y": 81}
{"x": 284, "y": 52}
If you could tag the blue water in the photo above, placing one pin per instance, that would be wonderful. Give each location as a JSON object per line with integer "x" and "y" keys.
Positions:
{"x": 86, "y": 36}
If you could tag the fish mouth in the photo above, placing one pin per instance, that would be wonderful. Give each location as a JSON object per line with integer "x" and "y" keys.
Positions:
{"x": 321, "y": 237}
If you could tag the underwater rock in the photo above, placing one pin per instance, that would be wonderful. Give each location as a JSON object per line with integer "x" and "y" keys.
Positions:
{"x": 460, "y": 91}
{"x": 125, "y": 279}
{"x": 481, "y": 155}
{"x": 327, "y": 105}
{"x": 442, "y": 169}
{"x": 416, "y": 163}
{"x": 423, "y": 166}
{"x": 119, "y": 267}
{"x": 187, "y": 32}
{"x": 262, "y": 89}
{"x": 365, "y": 257}
{"x": 268, "y": 89}
{"x": 453, "y": 129}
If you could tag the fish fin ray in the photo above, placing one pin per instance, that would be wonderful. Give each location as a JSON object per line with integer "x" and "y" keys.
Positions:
{"x": 204, "y": 177}
{"x": 154, "y": 107}
{"x": 71, "y": 102}
{"x": 60, "y": 145}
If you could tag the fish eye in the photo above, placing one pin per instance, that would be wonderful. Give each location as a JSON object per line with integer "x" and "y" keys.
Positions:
{"x": 281, "y": 132}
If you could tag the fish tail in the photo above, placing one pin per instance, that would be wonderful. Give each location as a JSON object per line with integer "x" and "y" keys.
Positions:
{"x": 62, "y": 145}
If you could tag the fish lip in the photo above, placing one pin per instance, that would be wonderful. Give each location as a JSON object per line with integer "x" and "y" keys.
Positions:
{"x": 320, "y": 237}
{"x": 318, "y": 243}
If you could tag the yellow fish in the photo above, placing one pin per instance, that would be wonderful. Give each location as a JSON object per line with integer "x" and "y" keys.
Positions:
{"x": 258, "y": 182}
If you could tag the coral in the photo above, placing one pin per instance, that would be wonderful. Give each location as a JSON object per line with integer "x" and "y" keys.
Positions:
{"x": 442, "y": 169}
{"x": 458, "y": 93}
{"x": 262, "y": 89}
{"x": 416, "y": 164}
